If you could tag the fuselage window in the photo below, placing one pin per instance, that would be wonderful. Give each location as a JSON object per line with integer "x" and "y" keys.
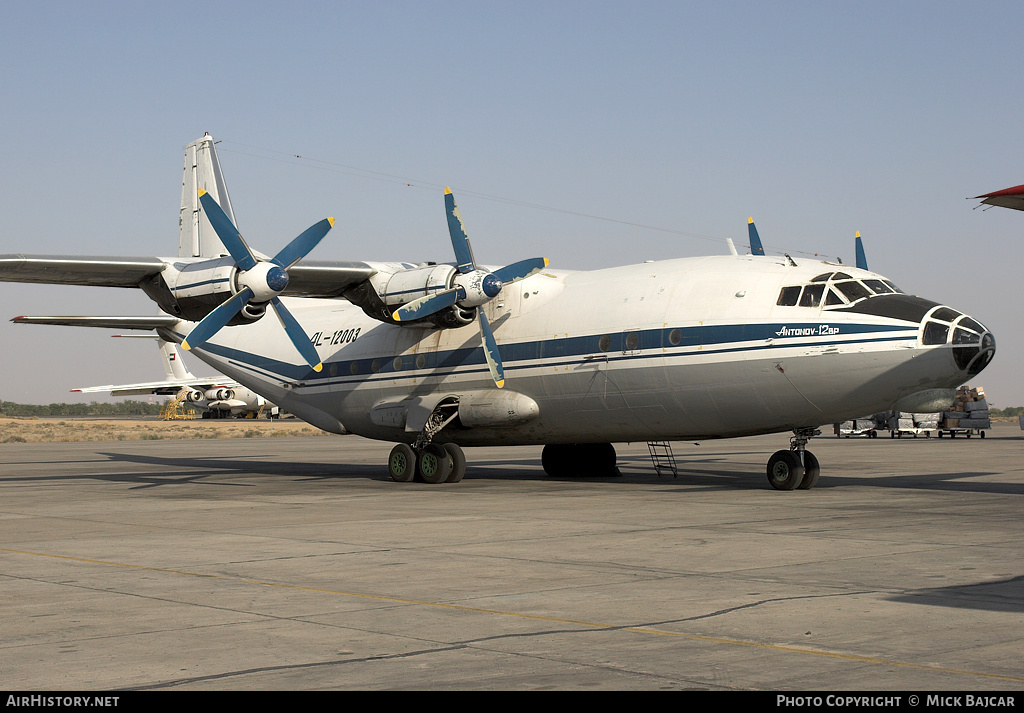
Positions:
{"x": 604, "y": 343}
{"x": 935, "y": 333}
{"x": 675, "y": 337}
{"x": 812, "y": 296}
{"x": 397, "y": 363}
{"x": 853, "y": 290}
{"x": 879, "y": 287}
{"x": 789, "y": 297}
{"x": 354, "y": 368}
{"x": 421, "y": 361}
{"x": 632, "y": 341}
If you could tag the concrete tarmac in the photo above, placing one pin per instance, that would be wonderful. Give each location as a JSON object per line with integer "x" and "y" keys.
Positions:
{"x": 297, "y": 564}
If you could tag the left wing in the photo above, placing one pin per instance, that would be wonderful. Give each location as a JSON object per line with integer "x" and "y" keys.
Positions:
{"x": 158, "y": 387}
{"x": 320, "y": 278}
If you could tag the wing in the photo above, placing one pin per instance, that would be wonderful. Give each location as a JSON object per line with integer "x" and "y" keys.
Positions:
{"x": 1006, "y": 198}
{"x": 158, "y": 387}
{"x": 323, "y": 279}
{"x": 70, "y": 270}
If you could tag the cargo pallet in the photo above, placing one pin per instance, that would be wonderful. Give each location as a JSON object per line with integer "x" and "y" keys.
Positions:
{"x": 968, "y": 432}
{"x": 915, "y": 432}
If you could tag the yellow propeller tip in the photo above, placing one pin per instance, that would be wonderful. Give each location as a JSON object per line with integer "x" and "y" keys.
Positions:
{"x": 318, "y": 367}
{"x": 500, "y": 384}
{"x": 546, "y": 262}
{"x": 331, "y": 221}
{"x": 202, "y": 192}
{"x": 447, "y": 190}
{"x": 395, "y": 316}
{"x": 858, "y": 233}
{"x": 750, "y": 220}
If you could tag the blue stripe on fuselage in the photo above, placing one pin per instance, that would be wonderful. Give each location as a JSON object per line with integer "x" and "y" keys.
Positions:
{"x": 670, "y": 342}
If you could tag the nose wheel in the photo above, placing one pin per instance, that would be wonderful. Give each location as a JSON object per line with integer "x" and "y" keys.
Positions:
{"x": 797, "y": 468}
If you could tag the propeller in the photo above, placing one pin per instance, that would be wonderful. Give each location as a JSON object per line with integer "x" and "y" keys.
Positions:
{"x": 260, "y": 281}
{"x": 472, "y": 287}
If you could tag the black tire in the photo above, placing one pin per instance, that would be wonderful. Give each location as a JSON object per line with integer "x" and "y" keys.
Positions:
{"x": 434, "y": 464}
{"x": 811, "y": 472}
{"x": 785, "y": 471}
{"x": 982, "y": 434}
{"x": 402, "y": 463}
{"x": 458, "y": 463}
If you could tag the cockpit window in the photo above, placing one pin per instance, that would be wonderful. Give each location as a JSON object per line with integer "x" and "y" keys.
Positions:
{"x": 853, "y": 290}
{"x": 935, "y": 333}
{"x": 962, "y": 336}
{"x": 832, "y": 298}
{"x": 878, "y": 287}
{"x": 812, "y": 296}
{"x": 945, "y": 314}
{"x": 840, "y": 276}
{"x": 822, "y": 278}
{"x": 789, "y": 297}
{"x": 892, "y": 284}
{"x": 971, "y": 324}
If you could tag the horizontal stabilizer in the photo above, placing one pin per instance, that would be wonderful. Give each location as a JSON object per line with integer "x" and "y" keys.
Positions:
{"x": 1006, "y": 198}
{"x": 154, "y": 322}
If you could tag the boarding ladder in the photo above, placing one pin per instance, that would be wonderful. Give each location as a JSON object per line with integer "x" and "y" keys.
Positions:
{"x": 662, "y": 457}
{"x": 173, "y": 409}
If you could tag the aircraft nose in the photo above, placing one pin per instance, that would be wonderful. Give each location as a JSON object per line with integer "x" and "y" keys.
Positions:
{"x": 972, "y": 344}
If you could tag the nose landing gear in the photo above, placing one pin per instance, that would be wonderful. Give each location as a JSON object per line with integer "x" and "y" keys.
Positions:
{"x": 796, "y": 468}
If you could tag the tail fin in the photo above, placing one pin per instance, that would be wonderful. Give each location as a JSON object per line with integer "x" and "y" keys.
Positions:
{"x": 755, "y": 239}
{"x": 196, "y": 237}
{"x": 862, "y": 259}
{"x": 173, "y": 364}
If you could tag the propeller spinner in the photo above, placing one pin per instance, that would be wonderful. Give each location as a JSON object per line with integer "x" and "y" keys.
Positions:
{"x": 471, "y": 287}
{"x": 259, "y": 281}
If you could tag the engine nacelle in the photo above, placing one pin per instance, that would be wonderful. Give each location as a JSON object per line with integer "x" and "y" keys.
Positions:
{"x": 397, "y": 284}
{"x": 193, "y": 290}
{"x": 195, "y": 396}
{"x": 220, "y": 394}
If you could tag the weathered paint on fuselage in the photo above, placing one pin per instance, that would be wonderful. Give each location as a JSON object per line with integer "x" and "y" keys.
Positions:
{"x": 692, "y": 348}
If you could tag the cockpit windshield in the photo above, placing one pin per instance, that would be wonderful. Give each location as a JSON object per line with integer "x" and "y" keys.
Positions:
{"x": 834, "y": 289}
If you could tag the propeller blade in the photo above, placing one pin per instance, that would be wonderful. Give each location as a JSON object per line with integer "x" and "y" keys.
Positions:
{"x": 227, "y": 232}
{"x": 520, "y": 270}
{"x": 213, "y": 322}
{"x": 460, "y": 241}
{"x": 428, "y": 305}
{"x": 491, "y": 351}
{"x": 303, "y": 244}
{"x": 755, "y": 240}
{"x": 297, "y": 334}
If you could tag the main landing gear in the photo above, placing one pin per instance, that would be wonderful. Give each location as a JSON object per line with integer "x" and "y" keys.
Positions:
{"x": 567, "y": 460}
{"x": 427, "y": 461}
{"x": 433, "y": 463}
{"x": 796, "y": 468}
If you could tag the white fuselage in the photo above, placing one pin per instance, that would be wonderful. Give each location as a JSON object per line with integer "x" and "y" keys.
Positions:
{"x": 692, "y": 348}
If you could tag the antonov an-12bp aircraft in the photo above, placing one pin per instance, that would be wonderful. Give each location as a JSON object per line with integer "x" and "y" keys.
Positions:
{"x": 439, "y": 356}
{"x": 214, "y": 397}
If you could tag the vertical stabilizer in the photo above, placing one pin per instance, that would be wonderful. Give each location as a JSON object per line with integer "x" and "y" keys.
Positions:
{"x": 862, "y": 259}
{"x": 196, "y": 237}
{"x": 755, "y": 239}
{"x": 173, "y": 365}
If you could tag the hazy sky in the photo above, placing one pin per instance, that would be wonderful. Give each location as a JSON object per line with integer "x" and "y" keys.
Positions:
{"x": 593, "y": 133}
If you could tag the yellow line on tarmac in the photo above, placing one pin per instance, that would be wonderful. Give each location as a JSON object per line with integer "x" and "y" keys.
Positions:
{"x": 538, "y": 617}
